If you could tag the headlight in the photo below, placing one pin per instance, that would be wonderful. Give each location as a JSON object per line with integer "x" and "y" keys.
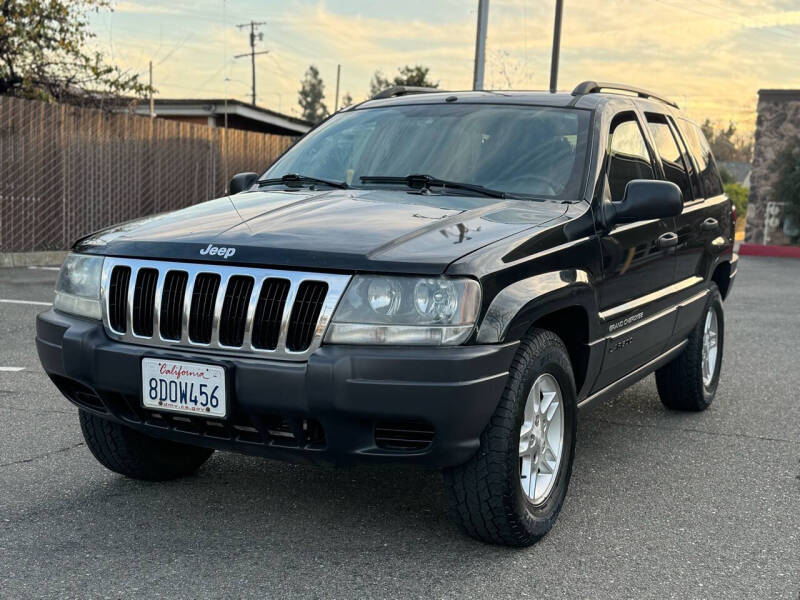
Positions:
{"x": 78, "y": 287}
{"x": 379, "y": 309}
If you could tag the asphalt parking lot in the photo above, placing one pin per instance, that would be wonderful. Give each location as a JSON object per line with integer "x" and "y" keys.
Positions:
{"x": 661, "y": 504}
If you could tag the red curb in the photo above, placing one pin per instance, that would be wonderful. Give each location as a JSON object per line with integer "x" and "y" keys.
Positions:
{"x": 779, "y": 251}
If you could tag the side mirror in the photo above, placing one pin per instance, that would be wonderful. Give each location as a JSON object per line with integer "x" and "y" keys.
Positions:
{"x": 644, "y": 199}
{"x": 241, "y": 181}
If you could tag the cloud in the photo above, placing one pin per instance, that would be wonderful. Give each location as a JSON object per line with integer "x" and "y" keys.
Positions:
{"x": 711, "y": 58}
{"x": 145, "y": 9}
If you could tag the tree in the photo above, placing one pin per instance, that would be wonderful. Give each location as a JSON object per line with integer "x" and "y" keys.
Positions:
{"x": 787, "y": 187}
{"x": 347, "y": 100}
{"x": 43, "y": 54}
{"x": 726, "y": 145}
{"x": 312, "y": 91}
{"x": 414, "y": 76}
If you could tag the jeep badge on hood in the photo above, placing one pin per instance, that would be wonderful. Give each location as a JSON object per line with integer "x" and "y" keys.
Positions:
{"x": 222, "y": 251}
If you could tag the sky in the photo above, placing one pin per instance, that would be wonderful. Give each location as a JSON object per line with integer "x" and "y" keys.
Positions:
{"x": 709, "y": 56}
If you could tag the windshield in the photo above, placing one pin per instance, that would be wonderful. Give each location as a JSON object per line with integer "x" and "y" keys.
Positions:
{"x": 520, "y": 150}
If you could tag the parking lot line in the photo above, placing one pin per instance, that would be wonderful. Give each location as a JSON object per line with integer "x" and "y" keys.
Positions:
{"x": 44, "y": 268}
{"x": 11, "y": 369}
{"x": 34, "y": 302}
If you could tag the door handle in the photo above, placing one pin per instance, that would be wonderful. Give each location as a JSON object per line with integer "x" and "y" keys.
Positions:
{"x": 710, "y": 224}
{"x": 668, "y": 240}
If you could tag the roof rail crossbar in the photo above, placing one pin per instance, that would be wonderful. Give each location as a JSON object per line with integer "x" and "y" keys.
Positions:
{"x": 402, "y": 90}
{"x": 594, "y": 87}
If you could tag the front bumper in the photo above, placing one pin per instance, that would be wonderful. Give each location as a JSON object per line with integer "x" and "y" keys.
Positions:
{"x": 334, "y": 409}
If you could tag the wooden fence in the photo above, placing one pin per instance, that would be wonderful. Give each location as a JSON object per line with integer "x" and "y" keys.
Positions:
{"x": 67, "y": 171}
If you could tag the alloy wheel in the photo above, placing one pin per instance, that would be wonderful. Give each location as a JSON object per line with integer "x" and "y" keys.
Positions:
{"x": 541, "y": 438}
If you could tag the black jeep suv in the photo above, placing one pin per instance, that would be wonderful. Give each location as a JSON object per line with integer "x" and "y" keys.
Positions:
{"x": 432, "y": 278}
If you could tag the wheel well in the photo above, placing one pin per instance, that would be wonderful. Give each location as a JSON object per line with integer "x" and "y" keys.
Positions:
{"x": 722, "y": 277}
{"x": 571, "y": 324}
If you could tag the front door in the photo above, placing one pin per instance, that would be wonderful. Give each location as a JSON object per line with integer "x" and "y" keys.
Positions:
{"x": 638, "y": 262}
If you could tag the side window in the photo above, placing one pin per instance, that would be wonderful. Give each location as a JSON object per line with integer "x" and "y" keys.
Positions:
{"x": 671, "y": 156}
{"x": 628, "y": 155}
{"x": 701, "y": 151}
{"x": 697, "y": 191}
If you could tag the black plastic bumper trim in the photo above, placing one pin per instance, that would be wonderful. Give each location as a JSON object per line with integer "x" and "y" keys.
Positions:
{"x": 346, "y": 389}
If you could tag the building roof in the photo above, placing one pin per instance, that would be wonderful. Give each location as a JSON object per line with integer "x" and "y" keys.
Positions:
{"x": 740, "y": 171}
{"x": 783, "y": 95}
{"x": 183, "y": 107}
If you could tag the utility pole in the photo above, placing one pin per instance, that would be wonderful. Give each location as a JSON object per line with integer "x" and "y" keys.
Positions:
{"x": 252, "y": 54}
{"x": 556, "y": 46}
{"x": 338, "y": 75}
{"x": 152, "y": 102}
{"x": 480, "y": 44}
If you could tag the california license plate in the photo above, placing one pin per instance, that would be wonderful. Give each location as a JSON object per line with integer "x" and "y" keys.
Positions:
{"x": 184, "y": 387}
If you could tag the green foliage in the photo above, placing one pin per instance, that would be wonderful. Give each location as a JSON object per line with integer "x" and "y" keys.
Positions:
{"x": 415, "y": 76}
{"x": 43, "y": 54}
{"x": 312, "y": 91}
{"x": 726, "y": 144}
{"x": 787, "y": 188}
{"x": 738, "y": 195}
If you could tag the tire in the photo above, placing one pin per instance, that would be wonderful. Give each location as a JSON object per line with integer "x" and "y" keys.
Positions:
{"x": 135, "y": 455}
{"x": 681, "y": 382}
{"x": 486, "y": 493}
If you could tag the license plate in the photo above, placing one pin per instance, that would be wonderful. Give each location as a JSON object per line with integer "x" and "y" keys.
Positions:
{"x": 184, "y": 387}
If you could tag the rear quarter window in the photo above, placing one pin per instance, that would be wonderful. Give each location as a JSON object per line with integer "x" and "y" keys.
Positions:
{"x": 701, "y": 153}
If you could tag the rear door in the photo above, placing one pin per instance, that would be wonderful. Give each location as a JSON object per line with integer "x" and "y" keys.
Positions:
{"x": 705, "y": 224}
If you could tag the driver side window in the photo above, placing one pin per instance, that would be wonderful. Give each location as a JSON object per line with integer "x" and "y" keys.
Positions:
{"x": 628, "y": 156}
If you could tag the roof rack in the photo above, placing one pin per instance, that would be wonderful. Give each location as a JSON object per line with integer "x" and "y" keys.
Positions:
{"x": 594, "y": 87}
{"x": 402, "y": 90}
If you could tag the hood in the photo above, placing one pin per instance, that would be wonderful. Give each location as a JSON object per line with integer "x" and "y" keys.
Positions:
{"x": 344, "y": 230}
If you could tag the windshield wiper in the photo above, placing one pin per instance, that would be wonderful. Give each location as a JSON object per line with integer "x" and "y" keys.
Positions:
{"x": 297, "y": 180}
{"x": 426, "y": 181}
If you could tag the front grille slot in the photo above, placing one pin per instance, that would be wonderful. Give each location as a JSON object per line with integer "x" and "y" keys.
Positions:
{"x": 144, "y": 296}
{"x": 234, "y": 311}
{"x": 118, "y": 298}
{"x": 269, "y": 312}
{"x": 305, "y": 314}
{"x": 201, "y": 315}
{"x": 172, "y": 304}
{"x": 405, "y": 436}
{"x": 219, "y": 308}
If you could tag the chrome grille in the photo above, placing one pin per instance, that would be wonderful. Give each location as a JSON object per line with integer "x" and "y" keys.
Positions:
{"x": 144, "y": 301}
{"x": 305, "y": 313}
{"x": 171, "y": 304}
{"x": 217, "y": 308}
{"x": 117, "y": 297}
{"x": 269, "y": 311}
{"x": 201, "y": 313}
{"x": 234, "y": 311}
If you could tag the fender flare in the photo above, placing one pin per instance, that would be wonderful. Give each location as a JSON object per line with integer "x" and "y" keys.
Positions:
{"x": 513, "y": 309}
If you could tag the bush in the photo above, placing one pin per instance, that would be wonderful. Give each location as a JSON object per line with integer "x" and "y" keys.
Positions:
{"x": 738, "y": 195}
{"x": 787, "y": 188}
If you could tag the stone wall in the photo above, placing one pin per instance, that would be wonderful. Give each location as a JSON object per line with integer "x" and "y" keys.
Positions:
{"x": 778, "y": 123}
